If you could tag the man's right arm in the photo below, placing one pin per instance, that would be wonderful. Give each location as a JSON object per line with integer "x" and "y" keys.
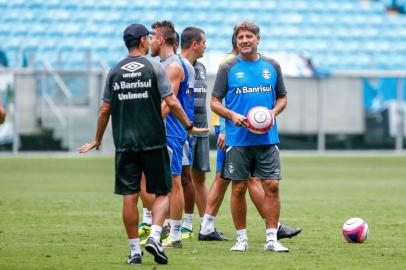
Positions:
{"x": 175, "y": 107}
{"x": 103, "y": 120}
{"x": 175, "y": 75}
{"x": 219, "y": 92}
{"x": 171, "y": 101}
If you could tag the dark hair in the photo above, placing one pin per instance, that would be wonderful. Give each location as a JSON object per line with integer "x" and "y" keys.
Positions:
{"x": 177, "y": 37}
{"x": 247, "y": 25}
{"x": 234, "y": 42}
{"x": 189, "y": 35}
{"x": 132, "y": 43}
{"x": 167, "y": 30}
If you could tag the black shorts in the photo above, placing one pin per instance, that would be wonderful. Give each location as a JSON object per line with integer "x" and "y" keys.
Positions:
{"x": 201, "y": 154}
{"x": 260, "y": 161}
{"x": 155, "y": 165}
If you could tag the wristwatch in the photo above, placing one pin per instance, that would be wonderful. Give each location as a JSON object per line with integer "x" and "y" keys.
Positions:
{"x": 189, "y": 127}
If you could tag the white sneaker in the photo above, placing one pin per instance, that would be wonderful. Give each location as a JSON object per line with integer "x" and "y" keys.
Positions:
{"x": 275, "y": 246}
{"x": 240, "y": 245}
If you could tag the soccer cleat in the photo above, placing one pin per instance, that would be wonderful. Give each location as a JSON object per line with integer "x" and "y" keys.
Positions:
{"x": 186, "y": 233}
{"x": 155, "y": 248}
{"x": 213, "y": 236}
{"x": 144, "y": 229}
{"x": 287, "y": 232}
{"x": 165, "y": 232}
{"x": 240, "y": 245}
{"x": 169, "y": 242}
{"x": 275, "y": 246}
{"x": 135, "y": 259}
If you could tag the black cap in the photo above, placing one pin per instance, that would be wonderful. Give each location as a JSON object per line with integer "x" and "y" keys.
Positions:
{"x": 134, "y": 31}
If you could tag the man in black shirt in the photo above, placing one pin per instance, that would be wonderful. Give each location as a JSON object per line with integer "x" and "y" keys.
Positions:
{"x": 132, "y": 96}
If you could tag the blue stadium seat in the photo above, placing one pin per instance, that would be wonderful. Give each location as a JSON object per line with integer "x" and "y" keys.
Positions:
{"x": 340, "y": 34}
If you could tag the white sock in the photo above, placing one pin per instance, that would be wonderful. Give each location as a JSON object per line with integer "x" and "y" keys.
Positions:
{"x": 175, "y": 229}
{"x": 271, "y": 234}
{"x": 207, "y": 224}
{"x": 278, "y": 224}
{"x": 168, "y": 222}
{"x": 188, "y": 222}
{"x": 134, "y": 246}
{"x": 156, "y": 231}
{"x": 242, "y": 234}
{"x": 146, "y": 216}
{"x": 201, "y": 221}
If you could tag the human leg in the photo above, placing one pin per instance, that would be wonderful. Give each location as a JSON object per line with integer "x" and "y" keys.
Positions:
{"x": 189, "y": 197}
{"x": 130, "y": 220}
{"x": 239, "y": 214}
{"x": 200, "y": 166}
{"x": 128, "y": 170}
{"x": 130, "y": 215}
{"x": 238, "y": 204}
{"x": 158, "y": 182}
{"x": 267, "y": 168}
{"x": 199, "y": 180}
{"x": 147, "y": 200}
{"x": 214, "y": 199}
{"x": 256, "y": 193}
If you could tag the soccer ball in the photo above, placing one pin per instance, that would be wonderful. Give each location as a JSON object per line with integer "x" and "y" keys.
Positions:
{"x": 355, "y": 230}
{"x": 259, "y": 120}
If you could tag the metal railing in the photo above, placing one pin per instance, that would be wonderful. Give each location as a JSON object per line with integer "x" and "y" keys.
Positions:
{"x": 66, "y": 121}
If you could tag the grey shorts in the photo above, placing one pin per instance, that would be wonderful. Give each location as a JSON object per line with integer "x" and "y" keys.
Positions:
{"x": 201, "y": 154}
{"x": 260, "y": 161}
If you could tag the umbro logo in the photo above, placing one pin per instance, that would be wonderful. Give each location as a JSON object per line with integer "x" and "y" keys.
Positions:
{"x": 239, "y": 75}
{"x": 231, "y": 168}
{"x": 266, "y": 74}
{"x": 132, "y": 66}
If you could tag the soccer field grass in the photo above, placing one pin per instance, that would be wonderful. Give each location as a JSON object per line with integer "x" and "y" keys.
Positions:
{"x": 60, "y": 213}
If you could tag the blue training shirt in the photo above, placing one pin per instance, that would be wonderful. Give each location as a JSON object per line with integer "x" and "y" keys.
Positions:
{"x": 173, "y": 127}
{"x": 246, "y": 84}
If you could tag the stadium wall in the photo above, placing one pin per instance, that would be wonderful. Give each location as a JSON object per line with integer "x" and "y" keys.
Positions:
{"x": 67, "y": 102}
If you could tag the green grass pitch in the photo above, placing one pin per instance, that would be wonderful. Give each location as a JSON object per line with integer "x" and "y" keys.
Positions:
{"x": 60, "y": 213}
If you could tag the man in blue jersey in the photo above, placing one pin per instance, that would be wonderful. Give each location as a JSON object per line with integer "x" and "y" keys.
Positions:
{"x": 181, "y": 75}
{"x": 220, "y": 185}
{"x": 246, "y": 81}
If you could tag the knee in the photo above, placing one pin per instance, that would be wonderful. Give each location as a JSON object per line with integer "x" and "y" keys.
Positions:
{"x": 271, "y": 187}
{"x": 184, "y": 179}
{"x": 130, "y": 199}
{"x": 199, "y": 178}
{"x": 253, "y": 184}
{"x": 239, "y": 189}
{"x": 176, "y": 184}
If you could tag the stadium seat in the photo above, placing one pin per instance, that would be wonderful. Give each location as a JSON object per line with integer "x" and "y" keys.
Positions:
{"x": 352, "y": 28}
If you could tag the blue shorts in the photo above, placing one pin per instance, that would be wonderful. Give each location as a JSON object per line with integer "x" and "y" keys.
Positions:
{"x": 175, "y": 148}
{"x": 221, "y": 153}
{"x": 187, "y": 157}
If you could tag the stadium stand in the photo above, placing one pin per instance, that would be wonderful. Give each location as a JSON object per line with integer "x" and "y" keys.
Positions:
{"x": 338, "y": 35}
{"x": 71, "y": 37}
